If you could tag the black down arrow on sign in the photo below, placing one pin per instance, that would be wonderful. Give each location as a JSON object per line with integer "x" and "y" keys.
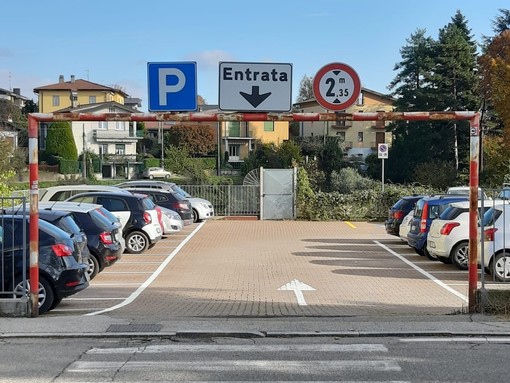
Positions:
{"x": 255, "y": 98}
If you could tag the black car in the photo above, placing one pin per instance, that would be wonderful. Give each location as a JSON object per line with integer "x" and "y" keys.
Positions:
{"x": 171, "y": 200}
{"x": 60, "y": 275}
{"x": 141, "y": 219}
{"x": 397, "y": 213}
{"x": 102, "y": 235}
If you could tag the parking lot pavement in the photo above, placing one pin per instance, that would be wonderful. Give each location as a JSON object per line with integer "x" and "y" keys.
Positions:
{"x": 276, "y": 278}
{"x": 263, "y": 269}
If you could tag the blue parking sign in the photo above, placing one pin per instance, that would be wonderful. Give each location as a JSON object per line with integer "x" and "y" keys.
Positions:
{"x": 172, "y": 86}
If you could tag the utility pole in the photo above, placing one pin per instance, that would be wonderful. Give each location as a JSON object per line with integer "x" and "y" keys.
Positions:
{"x": 84, "y": 157}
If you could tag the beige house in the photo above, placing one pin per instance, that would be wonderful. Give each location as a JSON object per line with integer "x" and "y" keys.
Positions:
{"x": 360, "y": 138}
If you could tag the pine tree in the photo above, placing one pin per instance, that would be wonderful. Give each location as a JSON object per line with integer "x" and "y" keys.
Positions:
{"x": 60, "y": 141}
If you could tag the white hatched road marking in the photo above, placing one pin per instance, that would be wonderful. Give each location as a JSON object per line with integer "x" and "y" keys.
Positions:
{"x": 457, "y": 340}
{"x": 226, "y": 366}
{"x": 242, "y": 348}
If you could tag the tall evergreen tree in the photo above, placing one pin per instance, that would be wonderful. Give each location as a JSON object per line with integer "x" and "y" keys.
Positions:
{"x": 411, "y": 89}
{"x": 455, "y": 84}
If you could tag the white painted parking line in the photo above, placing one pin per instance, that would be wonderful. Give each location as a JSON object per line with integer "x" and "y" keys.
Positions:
{"x": 138, "y": 263}
{"x": 127, "y": 272}
{"x": 115, "y": 284}
{"x": 424, "y": 273}
{"x": 151, "y": 279}
{"x": 94, "y": 299}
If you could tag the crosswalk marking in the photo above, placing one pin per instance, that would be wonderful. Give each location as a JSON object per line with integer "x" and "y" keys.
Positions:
{"x": 242, "y": 348}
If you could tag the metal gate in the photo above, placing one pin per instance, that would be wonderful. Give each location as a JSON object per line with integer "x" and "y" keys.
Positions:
{"x": 278, "y": 193}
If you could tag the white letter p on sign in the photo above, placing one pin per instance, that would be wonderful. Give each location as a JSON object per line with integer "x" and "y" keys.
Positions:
{"x": 164, "y": 89}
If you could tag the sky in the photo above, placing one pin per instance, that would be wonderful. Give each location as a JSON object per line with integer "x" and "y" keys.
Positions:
{"x": 110, "y": 42}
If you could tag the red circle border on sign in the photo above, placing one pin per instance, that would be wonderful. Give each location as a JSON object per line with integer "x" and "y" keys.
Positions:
{"x": 322, "y": 72}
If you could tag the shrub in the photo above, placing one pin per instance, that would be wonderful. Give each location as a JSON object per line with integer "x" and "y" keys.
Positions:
{"x": 60, "y": 141}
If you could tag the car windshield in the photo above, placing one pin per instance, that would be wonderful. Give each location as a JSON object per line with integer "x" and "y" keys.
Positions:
{"x": 69, "y": 224}
{"x": 490, "y": 216}
{"x": 148, "y": 204}
{"x": 180, "y": 191}
{"x": 100, "y": 220}
{"x": 108, "y": 214}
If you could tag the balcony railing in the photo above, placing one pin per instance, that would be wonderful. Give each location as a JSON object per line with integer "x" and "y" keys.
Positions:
{"x": 106, "y": 135}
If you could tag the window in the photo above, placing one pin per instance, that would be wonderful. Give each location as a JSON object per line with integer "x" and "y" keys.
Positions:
{"x": 360, "y": 99}
{"x": 360, "y": 136}
{"x": 341, "y": 136}
{"x": 112, "y": 204}
{"x": 120, "y": 125}
{"x": 233, "y": 129}
{"x": 111, "y": 110}
{"x": 103, "y": 149}
{"x": 268, "y": 126}
{"x": 233, "y": 150}
{"x": 120, "y": 149}
{"x": 55, "y": 101}
{"x": 102, "y": 125}
{"x": 92, "y": 99}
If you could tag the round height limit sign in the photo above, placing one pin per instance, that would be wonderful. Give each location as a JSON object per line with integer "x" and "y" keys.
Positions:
{"x": 336, "y": 86}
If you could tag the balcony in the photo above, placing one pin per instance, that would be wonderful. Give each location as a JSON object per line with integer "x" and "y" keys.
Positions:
{"x": 105, "y": 136}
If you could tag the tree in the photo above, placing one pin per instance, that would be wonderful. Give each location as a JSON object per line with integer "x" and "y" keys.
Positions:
{"x": 198, "y": 139}
{"x": 455, "y": 84}
{"x": 60, "y": 141}
{"x": 331, "y": 157}
{"x": 412, "y": 142}
{"x": 305, "y": 89}
{"x": 502, "y": 22}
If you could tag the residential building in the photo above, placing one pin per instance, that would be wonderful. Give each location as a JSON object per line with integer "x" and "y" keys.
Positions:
{"x": 14, "y": 96}
{"x": 360, "y": 138}
{"x": 9, "y": 130}
{"x": 74, "y": 93}
{"x": 114, "y": 141}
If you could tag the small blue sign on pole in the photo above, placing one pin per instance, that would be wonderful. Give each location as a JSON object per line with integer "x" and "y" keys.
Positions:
{"x": 172, "y": 86}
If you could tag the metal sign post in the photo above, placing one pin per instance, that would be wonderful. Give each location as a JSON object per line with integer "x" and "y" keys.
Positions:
{"x": 382, "y": 153}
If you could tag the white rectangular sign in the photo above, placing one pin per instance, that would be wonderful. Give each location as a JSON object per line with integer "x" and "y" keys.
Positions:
{"x": 255, "y": 87}
{"x": 382, "y": 151}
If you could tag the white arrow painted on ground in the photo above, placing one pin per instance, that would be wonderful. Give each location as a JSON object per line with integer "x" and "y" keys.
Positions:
{"x": 298, "y": 288}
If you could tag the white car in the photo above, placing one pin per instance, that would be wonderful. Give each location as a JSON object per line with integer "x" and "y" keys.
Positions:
{"x": 448, "y": 237}
{"x": 172, "y": 221}
{"x": 202, "y": 208}
{"x": 496, "y": 241}
{"x": 156, "y": 172}
{"x": 405, "y": 226}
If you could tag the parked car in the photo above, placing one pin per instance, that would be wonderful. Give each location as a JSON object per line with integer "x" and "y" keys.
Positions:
{"x": 141, "y": 225}
{"x": 405, "y": 226}
{"x": 170, "y": 200}
{"x": 172, "y": 222}
{"x": 63, "y": 192}
{"x": 426, "y": 210}
{"x": 397, "y": 213}
{"x": 464, "y": 190}
{"x": 60, "y": 274}
{"x": 496, "y": 241}
{"x": 103, "y": 236}
{"x": 202, "y": 209}
{"x": 156, "y": 172}
{"x": 448, "y": 237}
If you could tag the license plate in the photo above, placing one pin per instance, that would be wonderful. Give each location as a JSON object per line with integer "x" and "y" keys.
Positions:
{"x": 432, "y": 245}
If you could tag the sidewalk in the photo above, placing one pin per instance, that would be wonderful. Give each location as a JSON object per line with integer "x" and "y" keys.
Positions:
{"x": 106, "y": 327}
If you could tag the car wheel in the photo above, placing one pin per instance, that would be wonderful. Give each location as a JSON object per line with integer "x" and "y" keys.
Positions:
{"x": 167, "y": 176}
{"x": 46, "y": 294}
{"x": 419, "y": 251}
{"x": 430, "y": 256}
{"x": 93, "y": 267}
{"x": 55, "y": 303}
{"x": 196, "y": 217}
{"x": 460, "y": 255}
{"x": 136, "y": 242}
{"x": 501, "y": 267}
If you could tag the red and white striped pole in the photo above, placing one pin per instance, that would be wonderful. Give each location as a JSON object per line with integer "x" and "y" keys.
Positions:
{"x": 474, "y": 152}
{"x": 33, "y": 160}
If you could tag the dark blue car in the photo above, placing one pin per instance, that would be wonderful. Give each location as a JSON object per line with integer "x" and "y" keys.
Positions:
{"x": 426, "y": 210}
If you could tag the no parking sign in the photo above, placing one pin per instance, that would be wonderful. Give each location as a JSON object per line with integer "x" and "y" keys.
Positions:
{"x": 382, "y": 151}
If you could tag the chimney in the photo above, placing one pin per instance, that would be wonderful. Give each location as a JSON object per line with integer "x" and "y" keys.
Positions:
{"x": 72, "y": 78}
{"x": 61, "y": 79}
{"x": 17, "y": 91}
